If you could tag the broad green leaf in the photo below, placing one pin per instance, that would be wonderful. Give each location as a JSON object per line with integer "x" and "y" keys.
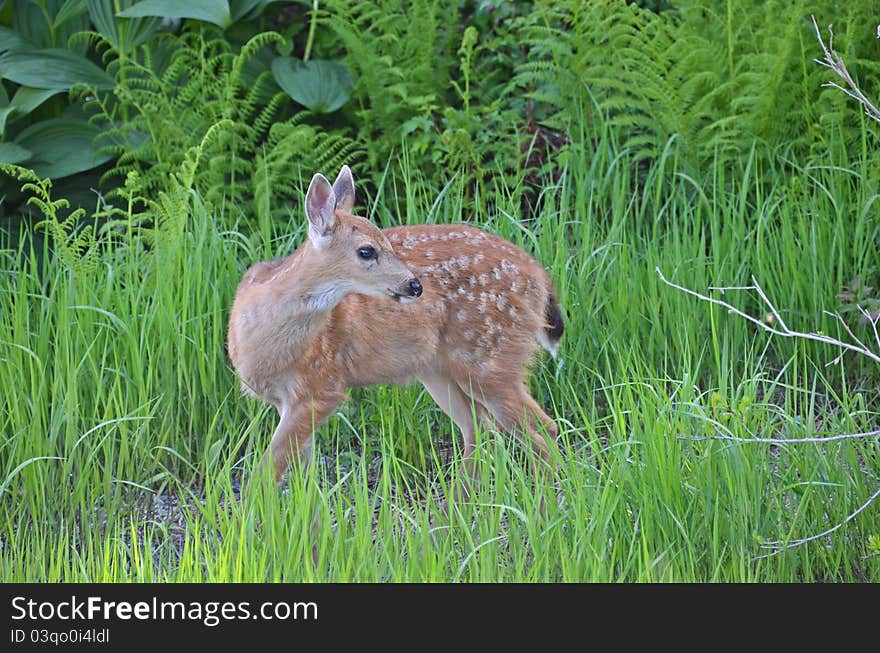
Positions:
{"x": 5, "y": 109}
{"x": 10, "y": 40}
{"x": 123, "y": 34}
{"x": 49, "y": 24}
{"x": 26, "y": 99}
{"x": 69, "y": 10}
{"x": 62, "y": 147}
{"x": 321, "y": 86}
{"x": 252, "y": 8}
{"x": 4, "y": 114}
{"x": 239, "y": 8}
{"x": 12, "y": 153}
{"x": 212, "y": 11}
{"x": 52, "y": 69}
{"x": 29, "y": 22}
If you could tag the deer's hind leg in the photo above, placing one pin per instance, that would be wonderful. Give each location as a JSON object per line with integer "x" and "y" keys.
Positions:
{"x": 459, "y": 407}
{"x": 514, "y": 409}
{"x": 456, "y": 405}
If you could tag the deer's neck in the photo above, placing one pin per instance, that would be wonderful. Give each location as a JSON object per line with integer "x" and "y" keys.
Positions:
{"x": 304, "y": 297}
{"x": 284, "y": 309}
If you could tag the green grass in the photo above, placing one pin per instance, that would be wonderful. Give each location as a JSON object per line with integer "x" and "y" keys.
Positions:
{"x": 123, "y": 433}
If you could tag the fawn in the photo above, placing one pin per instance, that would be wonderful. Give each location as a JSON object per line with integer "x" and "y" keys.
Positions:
{"x": 459, "y": 309}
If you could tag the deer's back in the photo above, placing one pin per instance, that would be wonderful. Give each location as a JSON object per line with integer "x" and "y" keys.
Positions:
{"x": 483, "y": 303}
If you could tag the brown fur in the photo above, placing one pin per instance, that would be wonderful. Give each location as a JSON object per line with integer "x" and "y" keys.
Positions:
{"x": 306, "y": 328}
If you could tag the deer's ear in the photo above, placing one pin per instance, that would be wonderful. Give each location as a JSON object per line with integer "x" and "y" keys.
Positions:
{"x": 320, "y": 205}
{"x": 343, "y": 188}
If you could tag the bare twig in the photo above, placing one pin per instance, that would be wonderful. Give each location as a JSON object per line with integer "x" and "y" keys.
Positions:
{"x": 781, "y": 545}
{"x": 784, "y": 331}
{"x": 872, "y": 320}
{"x": 835, "y": 62}
{"x": 783, "y": 441}
{"x": 846, "y": 328}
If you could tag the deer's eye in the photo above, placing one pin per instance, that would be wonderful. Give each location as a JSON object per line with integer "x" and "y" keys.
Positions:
{"x": 367, "y": 253}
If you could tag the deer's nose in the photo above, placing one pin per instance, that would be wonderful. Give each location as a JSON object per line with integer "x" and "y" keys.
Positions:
{"x": 415, "y": 287}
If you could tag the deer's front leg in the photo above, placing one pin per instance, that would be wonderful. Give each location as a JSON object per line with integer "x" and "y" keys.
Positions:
{"x": 292, "y": 440}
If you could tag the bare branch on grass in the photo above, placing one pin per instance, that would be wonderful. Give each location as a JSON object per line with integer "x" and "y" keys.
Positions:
{"x": 783, "y": 441}
{"x": 781, "y": 545}
{"x": 784, "y": 331}
{"x": 835, "y": 62}
{"x": 766, "y": 325}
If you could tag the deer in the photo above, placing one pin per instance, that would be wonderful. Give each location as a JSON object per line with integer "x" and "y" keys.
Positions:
{"x": 455, "y": 307}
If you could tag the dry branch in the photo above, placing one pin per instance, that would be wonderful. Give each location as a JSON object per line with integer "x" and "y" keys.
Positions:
{"x": 784, "y": 331}
{"x": 835, "y": 62}
{"x": 780, "y": 545}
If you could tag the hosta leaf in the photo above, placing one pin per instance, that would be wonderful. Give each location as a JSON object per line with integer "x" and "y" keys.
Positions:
{"x": 253, "y": 8}
{"x": 322, "y": 86}
{"x": 69, "y": 10}
{"x": 12, "y": 153}
{"x": 4, "y": 113}
{"x": 52, "y": 69}
{"x": 26, "y": 99}
{"x": 123, "y": 34}
{"x": 211, "y": 11}
{"x": 11, "y": 40}
{"x": 62, "y": 147}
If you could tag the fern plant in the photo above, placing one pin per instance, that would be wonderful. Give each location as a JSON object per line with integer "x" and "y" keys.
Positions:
{"x": 161, "y": 110}
{"x": 714, "y": 76}
{"x": 435, "y": 79}
{"x": 401, "y": 56}
{"x": 74, "y": 244}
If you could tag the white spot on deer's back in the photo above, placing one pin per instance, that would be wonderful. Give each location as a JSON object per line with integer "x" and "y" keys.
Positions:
{"x": 501, "y": 302}
{"x": 496, "y": 273}
{"x": 481, "y": 307}
{"x": 472, "y": 281}
{"x": 409, "y": 241}
{"x": 461, "y": 315}
{"x": 484, "y": 279}
{"x": 462, "y": 356}
{"x": 508, "y": 267}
